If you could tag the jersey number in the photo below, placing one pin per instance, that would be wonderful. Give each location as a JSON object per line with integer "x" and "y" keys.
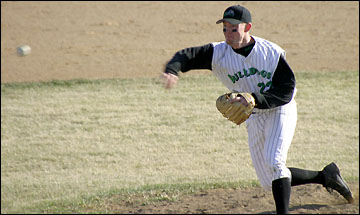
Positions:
{"x": 262, "y": 86}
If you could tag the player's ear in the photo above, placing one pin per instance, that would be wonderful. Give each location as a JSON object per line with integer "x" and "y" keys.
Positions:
{"x": 247, "y": 27}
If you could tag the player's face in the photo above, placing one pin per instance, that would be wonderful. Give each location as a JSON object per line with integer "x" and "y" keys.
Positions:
{"x": 234, "y": 34}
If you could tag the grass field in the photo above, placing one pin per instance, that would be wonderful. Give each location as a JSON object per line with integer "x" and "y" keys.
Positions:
{"x": 65, "y": 143}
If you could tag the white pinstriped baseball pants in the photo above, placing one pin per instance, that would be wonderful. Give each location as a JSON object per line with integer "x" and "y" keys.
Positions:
{"x": 270, "y": 135}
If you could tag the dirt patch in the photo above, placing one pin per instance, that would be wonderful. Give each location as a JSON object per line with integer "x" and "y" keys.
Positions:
{"x": 305, "y": 199}
{"x": 96, "y": 40}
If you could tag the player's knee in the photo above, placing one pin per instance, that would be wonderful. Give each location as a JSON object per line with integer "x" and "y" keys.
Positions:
{"x": 278, "y": 170}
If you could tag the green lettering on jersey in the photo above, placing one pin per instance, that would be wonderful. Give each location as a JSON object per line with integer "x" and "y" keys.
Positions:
{"x": 253, "y": 71}
{"x": 269, "y": 75}
{"x": 247, "y": 73}
{"x": 263, "y": 73}
{"x": 234, "y": 78}
{"x": 240, "y": 75}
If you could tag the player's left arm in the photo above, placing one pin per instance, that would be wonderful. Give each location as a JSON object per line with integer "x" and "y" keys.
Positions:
{"x": 281, "y": 90}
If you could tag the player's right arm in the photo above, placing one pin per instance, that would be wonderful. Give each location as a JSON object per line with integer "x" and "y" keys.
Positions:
{"x": 199, "y": 57}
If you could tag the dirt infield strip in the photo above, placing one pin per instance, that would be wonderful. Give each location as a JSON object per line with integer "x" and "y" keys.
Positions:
{"x": 307, "y": 199}
{"x": 94, "y": 40}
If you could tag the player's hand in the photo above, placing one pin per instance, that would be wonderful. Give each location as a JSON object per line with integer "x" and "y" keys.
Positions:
{"x": 170, "y": 80}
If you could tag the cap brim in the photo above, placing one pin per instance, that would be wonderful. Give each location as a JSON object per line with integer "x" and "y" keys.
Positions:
{"x": 231, "y": 21}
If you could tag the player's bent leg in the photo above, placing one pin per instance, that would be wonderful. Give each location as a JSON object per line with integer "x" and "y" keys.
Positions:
{"x": 302, "y": 176}
{"x": 329, "y": 177}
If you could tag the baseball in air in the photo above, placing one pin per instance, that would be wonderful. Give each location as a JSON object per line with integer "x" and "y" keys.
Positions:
{"x": 23, "y": 50}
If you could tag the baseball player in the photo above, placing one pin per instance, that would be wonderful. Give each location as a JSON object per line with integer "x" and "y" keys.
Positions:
{"x": 246, "y": 63}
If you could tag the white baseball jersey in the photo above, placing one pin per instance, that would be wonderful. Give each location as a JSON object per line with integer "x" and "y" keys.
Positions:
{"x": 270, "y": 131}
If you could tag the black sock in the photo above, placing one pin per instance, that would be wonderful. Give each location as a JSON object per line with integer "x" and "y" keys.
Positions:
{"x": 281, "y": 189}
{"x": 301, "y": 176}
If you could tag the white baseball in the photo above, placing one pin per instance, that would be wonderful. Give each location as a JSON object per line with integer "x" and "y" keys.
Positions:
{"x": 23, "y": 50}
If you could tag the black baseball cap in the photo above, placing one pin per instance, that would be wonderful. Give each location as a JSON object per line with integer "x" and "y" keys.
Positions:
{"x": 235, "y": 15}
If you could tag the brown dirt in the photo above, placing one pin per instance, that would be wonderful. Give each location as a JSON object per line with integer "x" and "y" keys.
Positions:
{"x": 96, "y": 40}
{"x": 305, "y": 199}
{"x": 134, "y": 39}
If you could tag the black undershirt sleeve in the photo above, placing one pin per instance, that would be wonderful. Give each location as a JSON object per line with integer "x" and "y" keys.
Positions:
{"x": 199, "y": 57}
{"x": 281, "y": 90}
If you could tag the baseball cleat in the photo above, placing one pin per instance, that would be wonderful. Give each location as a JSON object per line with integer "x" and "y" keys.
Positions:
{"x": 334, "y": 181}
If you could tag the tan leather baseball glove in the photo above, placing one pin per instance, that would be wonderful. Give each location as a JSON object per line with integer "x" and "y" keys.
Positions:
{"x": 236, "y": 112}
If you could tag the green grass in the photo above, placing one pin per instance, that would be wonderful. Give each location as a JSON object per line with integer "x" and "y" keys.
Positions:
{"x": 66, "y": 145}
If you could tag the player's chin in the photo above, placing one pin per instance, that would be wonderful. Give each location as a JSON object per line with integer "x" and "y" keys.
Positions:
{"x": 229, "y": 42}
